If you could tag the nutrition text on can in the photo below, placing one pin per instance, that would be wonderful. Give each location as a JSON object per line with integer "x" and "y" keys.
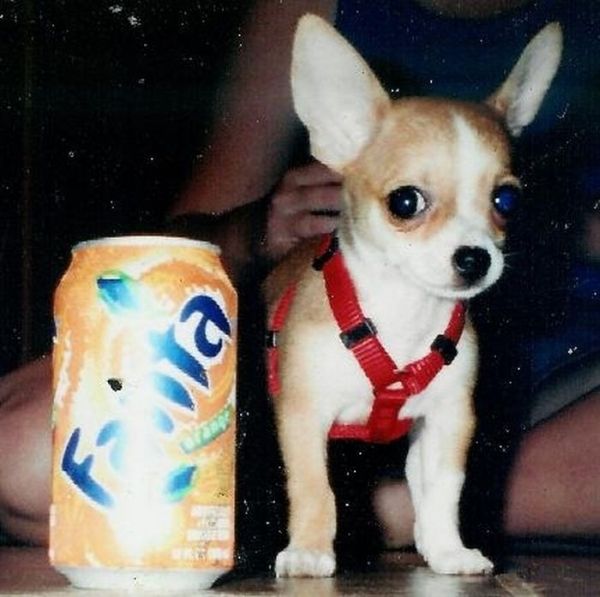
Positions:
{"x": 144, "y": 415}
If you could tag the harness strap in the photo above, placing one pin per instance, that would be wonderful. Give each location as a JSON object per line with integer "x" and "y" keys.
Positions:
{"x": 357, "y": 332}
{"x": 277, "y": 321}
{"x": 391, "y": 387}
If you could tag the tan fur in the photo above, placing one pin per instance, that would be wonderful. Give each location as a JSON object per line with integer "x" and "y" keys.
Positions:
{"x": 405, "y": 276}
{"x": 288, "y": 271}
{"x": 458, "y": 452}
{"x": 415, "y": 146}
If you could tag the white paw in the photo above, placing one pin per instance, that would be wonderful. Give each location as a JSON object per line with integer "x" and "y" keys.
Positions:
{"x": 459, "y": 561}
{"x": 304, "y": 562}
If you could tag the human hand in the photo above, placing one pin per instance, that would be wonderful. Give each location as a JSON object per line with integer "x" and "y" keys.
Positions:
{"x": 306, "y": 203}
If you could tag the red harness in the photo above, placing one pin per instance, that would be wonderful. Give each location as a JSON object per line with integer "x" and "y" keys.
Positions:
{"x": 391, "y": 386}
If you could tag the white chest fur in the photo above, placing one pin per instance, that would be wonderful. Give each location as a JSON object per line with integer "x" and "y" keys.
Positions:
{"x": 407, "y": 321}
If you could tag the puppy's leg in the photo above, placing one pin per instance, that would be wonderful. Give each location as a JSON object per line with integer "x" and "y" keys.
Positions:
{"x": 312, "y": 515}
{"x": 415, "y": 476}
{"x": 436, "y": 470}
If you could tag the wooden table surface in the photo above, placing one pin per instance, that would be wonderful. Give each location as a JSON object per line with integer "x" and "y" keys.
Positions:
{"x": 26, "y": 571}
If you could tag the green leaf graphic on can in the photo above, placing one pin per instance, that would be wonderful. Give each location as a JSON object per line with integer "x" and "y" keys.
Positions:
{"x": 208, "y": 431}
{"x": 179, "y": 483}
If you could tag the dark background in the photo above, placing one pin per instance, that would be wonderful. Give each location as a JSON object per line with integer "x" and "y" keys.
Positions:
{"x": 103, "y": 108}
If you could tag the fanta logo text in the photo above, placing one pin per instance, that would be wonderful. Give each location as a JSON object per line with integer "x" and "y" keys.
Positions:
{"x": 167, "y": 346}
{"x": 184, "y": 351}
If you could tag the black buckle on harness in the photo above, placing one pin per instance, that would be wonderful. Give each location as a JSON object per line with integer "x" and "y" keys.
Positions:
{"x": 320, "y": 261}
{"x": 353, "y": 336}
{"x": 271, "y": 339}
{"x": 445, "y": 347}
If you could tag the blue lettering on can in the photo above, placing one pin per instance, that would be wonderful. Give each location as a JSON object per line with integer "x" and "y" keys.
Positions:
{"x": 211, "y": 313}
{"x": 113, "y": 435}
{"x": 80, "y": 473}
{"x": 165, "y": 346}
{"x": 115, "y": 432}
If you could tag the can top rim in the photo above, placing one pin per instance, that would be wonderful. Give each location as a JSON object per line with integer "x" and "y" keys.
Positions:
{"x": 143, "y": 239}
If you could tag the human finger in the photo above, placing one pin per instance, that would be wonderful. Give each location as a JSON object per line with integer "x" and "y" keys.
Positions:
{"x": 310, "y": 225}
{"x": 311, "y": 174}
{"x": 325, "y": 200}
{"x": 283, "y": 234}
{"x": 322, "y": 199}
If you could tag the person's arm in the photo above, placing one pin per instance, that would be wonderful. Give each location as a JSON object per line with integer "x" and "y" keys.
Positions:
{"x": 254, "y": 123}
{"x": 304, "y": 204}
{"x": 249, "y": 150}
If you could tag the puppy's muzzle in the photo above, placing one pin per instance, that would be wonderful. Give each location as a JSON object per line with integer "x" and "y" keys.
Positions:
{"x": 471, "y": 263}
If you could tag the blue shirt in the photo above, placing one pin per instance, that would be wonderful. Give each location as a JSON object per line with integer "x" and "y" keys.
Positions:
{"x": 469, "y": 58}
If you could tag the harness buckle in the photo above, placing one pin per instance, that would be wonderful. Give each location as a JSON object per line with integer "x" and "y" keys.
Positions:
{"x": 384, "y": 423}
{"x": 446, "y": 347}
{"x": 320, "y": 260}
{"x": 350, "y": 338}
{"x": 271, "y": 339}
{"x": 392, "y": 397}
{"x": 388, "y": 401}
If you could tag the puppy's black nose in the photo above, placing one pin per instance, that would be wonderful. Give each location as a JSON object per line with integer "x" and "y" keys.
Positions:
{"x": 471, "y": 263}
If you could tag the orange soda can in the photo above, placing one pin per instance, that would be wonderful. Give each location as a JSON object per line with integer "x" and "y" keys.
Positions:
{"x": 144, "y": 415}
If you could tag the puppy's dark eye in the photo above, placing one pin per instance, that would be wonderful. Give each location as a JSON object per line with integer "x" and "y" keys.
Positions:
{"x": 507, "y": 200}
{"x": 406, "y": 202}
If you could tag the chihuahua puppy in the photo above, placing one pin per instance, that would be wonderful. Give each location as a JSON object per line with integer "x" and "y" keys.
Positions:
{"x": 427, "y": 192}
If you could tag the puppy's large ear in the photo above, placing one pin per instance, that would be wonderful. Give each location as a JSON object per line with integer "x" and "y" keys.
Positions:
{"x": 335, "y": 93}
{"x": 520, "y": 96}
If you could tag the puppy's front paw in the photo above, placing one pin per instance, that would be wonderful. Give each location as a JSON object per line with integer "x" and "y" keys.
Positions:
{"x": 304, "y": 562}
{"x": 460, "y": 561}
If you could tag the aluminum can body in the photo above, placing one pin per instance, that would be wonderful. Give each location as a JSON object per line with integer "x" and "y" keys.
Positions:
{"x": 144, "y": 378}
